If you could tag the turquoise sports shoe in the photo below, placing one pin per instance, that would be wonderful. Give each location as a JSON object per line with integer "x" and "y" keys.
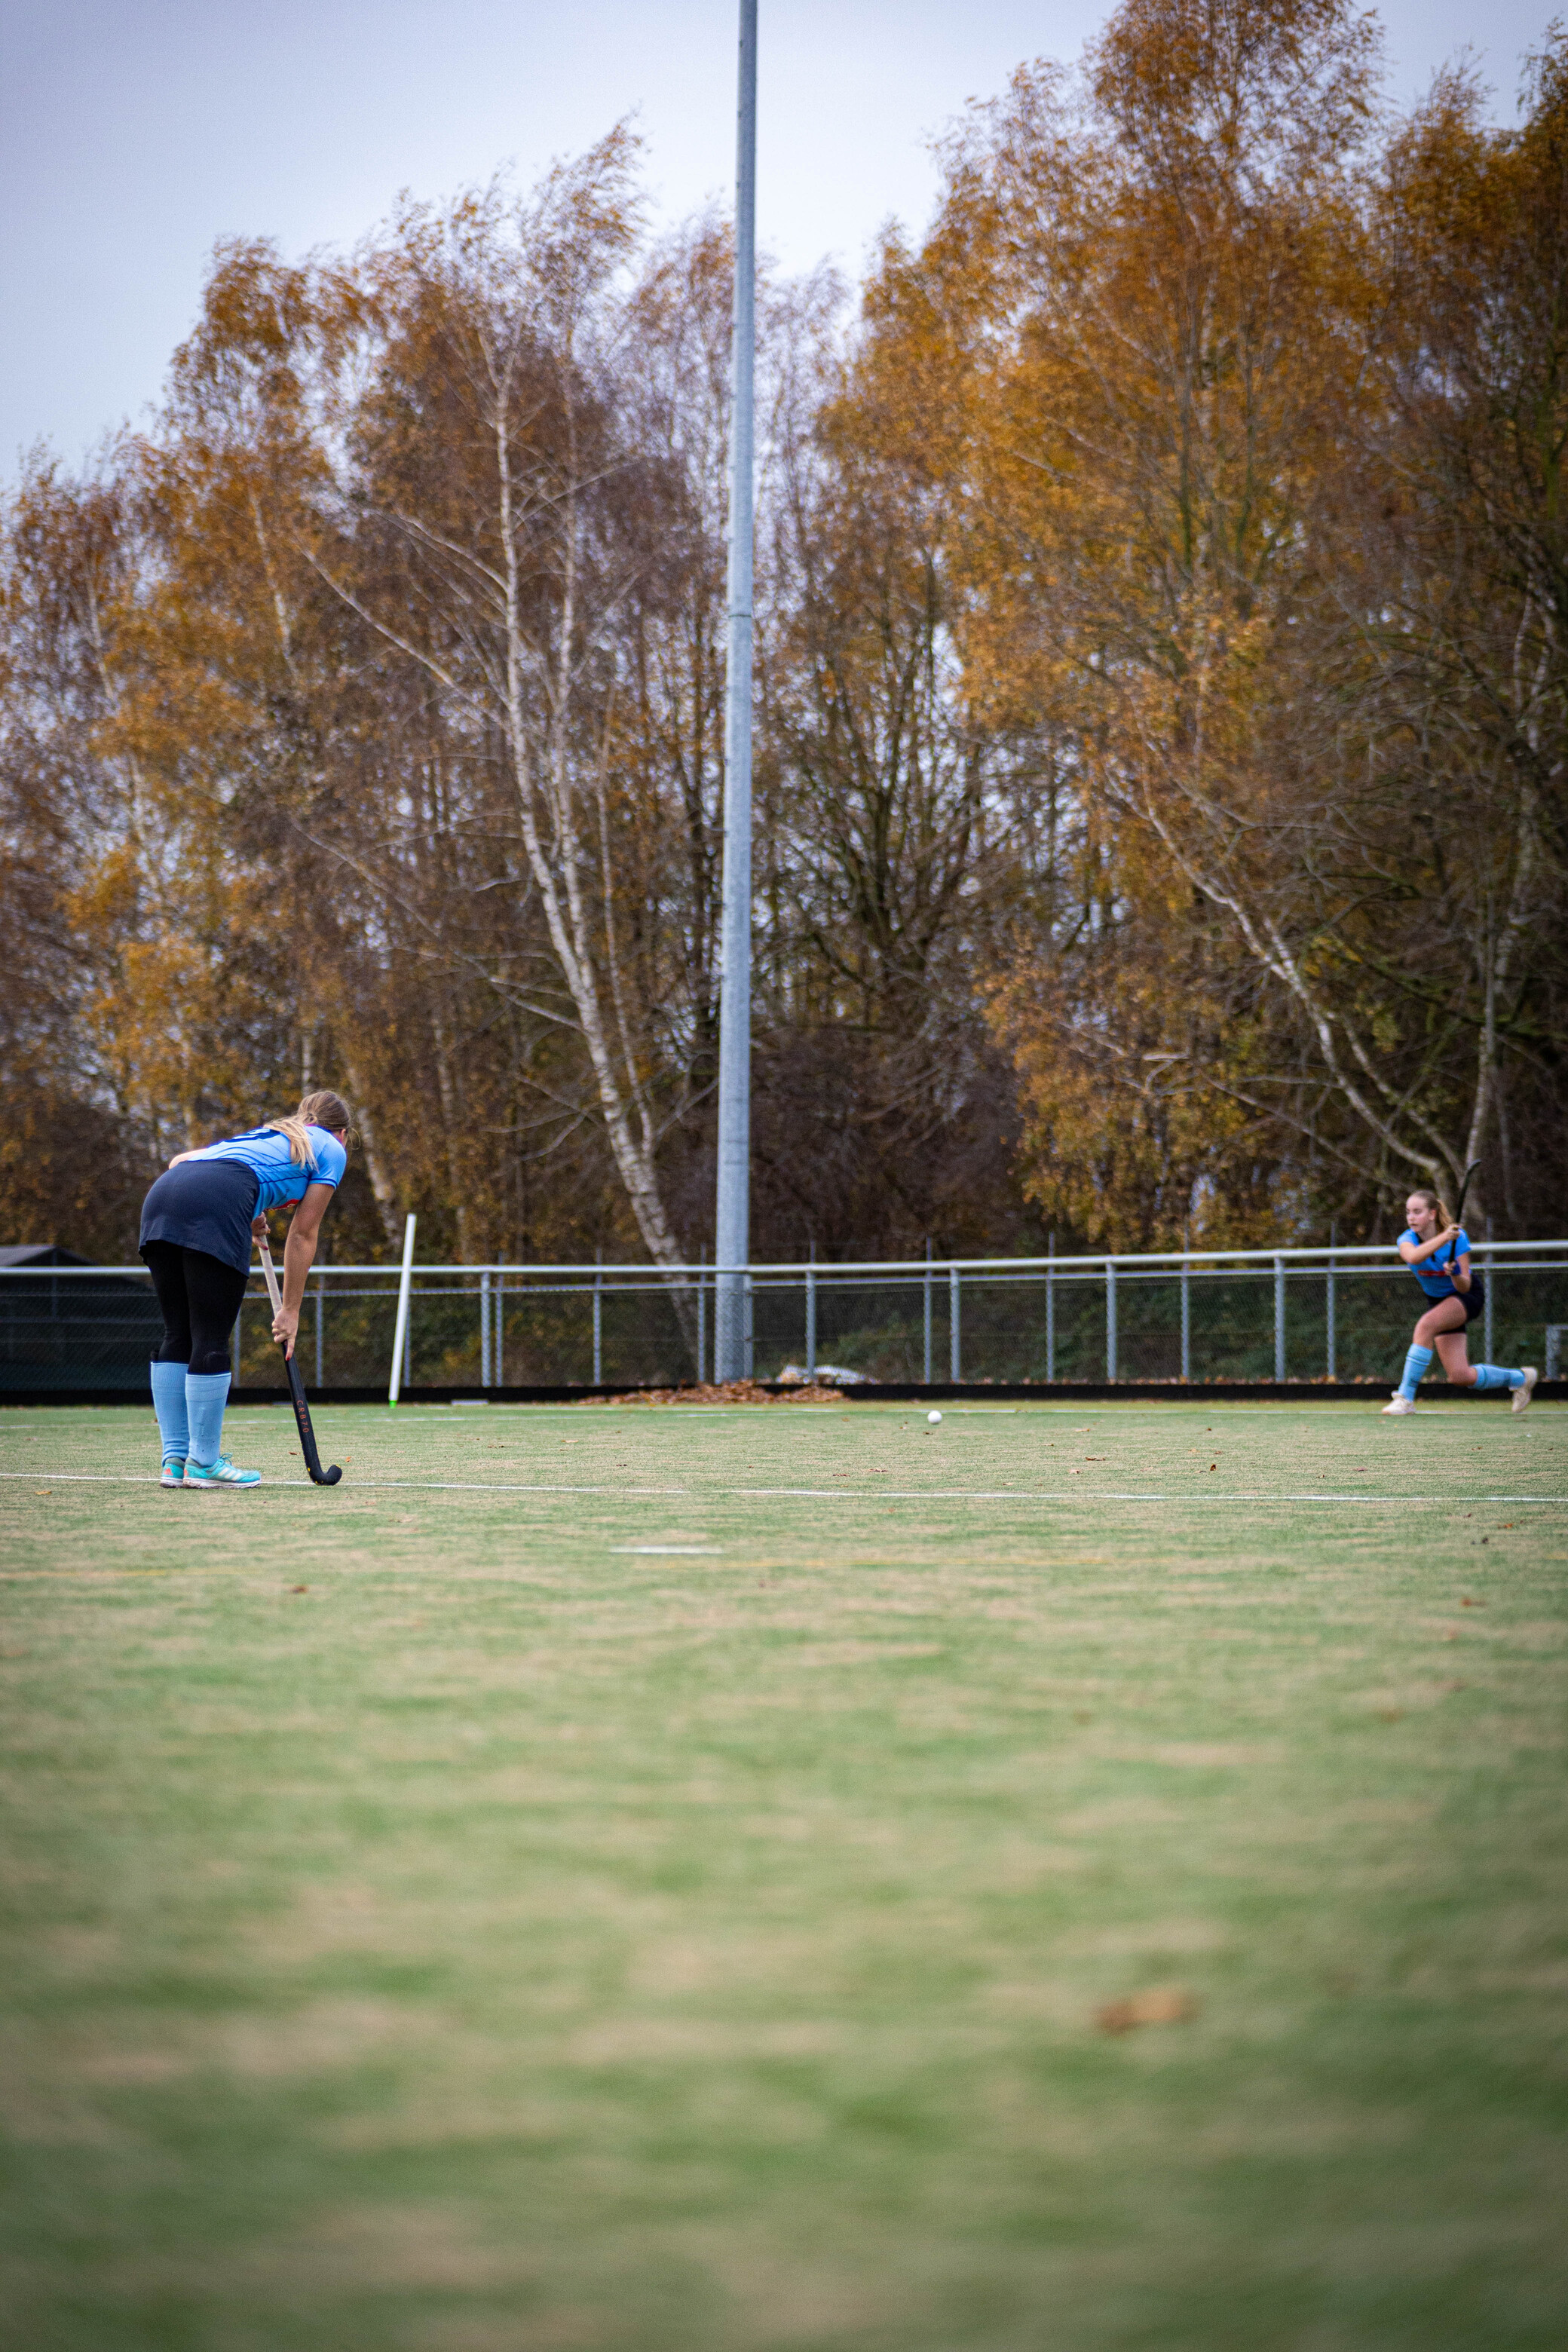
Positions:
{"x": 221, "y": 1473}
{"x": 173, "y": 1474}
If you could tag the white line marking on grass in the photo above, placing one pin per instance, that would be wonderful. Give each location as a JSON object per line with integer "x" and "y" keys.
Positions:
{"x": 97, "y": 1478}
{"x": 412, "y": 1486}
{"x": 1344, "y": 1411}
{"x": 675, "y": 1552}
{"x": 1099, "y": 1495}
{"x": 825, "y": 1494}
{"x": 476, "y": 1487}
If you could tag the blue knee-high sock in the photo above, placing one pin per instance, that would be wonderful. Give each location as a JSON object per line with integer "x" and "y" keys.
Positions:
{"x": 207, "y": 1393}
{"x": 1498, "y": 1376}
{"x": 169, "y": 1404}
{"x": 1415, "y": 1364}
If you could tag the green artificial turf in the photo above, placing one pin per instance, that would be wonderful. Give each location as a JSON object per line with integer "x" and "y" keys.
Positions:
{"x": 433, "y": 1923}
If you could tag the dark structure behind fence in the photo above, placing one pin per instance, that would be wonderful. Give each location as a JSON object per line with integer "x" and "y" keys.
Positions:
{"x": 88, "y": 1328}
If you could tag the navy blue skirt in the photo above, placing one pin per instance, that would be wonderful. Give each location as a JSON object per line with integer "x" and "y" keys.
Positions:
{"x": 204, "y": 1204}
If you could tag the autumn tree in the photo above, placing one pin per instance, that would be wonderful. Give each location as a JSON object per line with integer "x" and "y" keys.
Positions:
{"x": 1463, "y": 563}
{"x": 1173, "y": 285}
{"x": 75, "y": 1147}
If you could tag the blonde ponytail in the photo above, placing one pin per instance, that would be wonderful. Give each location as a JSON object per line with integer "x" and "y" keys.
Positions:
{"x": 323, "y": 1109}
{"x": 301, "y": 1151}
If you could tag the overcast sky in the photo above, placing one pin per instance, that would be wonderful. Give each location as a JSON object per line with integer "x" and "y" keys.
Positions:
{"x": 135, "y": 132}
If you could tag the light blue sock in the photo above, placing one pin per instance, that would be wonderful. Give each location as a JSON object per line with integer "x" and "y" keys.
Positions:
{"x": 1498, "y": 1376}
{"x": 169, "y": 1404}
{"x": 207, "y": 1393}
{"x": 1415, "y": 1364}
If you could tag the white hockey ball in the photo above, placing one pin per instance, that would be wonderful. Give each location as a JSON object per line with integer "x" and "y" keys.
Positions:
{"x": 933, "y": 1418}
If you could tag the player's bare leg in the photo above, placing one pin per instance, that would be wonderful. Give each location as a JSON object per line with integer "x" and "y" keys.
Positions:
{"x": 1519, "y": 1379}
{"x": 1444, "y": 1321}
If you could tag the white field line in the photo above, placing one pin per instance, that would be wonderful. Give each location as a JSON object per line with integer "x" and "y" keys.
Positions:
{"x": 1102, "y": 1494}
{"x": 824, "y": 1494}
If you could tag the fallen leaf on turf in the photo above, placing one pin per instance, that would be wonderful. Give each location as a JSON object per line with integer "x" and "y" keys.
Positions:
{"x": 1466, "y": 1603}
{"x": 299, "y": 1587}
{"x": 1161, "y": 2005}
{"x": 43, "y": 1490}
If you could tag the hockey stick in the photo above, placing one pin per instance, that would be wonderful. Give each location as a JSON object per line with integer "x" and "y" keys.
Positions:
{"x": 1459, "y": 1207}
{"x": 296, "y": 1385}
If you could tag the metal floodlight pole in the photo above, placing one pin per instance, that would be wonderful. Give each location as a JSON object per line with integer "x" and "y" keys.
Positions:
{"x": 733, "y": 1247}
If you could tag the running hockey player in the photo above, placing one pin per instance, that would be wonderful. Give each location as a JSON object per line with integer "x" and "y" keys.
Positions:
{"x": 1437, "y": 1252}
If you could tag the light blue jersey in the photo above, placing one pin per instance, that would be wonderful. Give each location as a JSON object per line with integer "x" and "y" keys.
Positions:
{"x": 266, "y": 1153}
{"x": 1432, "y": 1273}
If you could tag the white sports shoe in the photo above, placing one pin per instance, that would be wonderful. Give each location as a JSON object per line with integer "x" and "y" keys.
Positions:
{"x": 1520, "y": 1402}
{"x": 1402, "y": 1403}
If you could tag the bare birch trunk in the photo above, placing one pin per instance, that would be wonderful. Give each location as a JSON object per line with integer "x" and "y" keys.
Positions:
{"x": 544, "y": 784}
{"x": 451, "y": 1121}
{"x": 376, "y": 1166}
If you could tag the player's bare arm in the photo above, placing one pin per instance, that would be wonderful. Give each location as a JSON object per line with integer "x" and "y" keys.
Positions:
{"x": 299, "y": 1257}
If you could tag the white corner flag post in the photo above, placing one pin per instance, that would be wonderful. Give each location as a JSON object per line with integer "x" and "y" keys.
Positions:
{"x": 405, "y": 1284}
{"x": 733, "y": 1237}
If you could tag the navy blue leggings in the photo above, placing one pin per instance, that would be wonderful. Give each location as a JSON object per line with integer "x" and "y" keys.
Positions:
{"x": 199, "y": 1298}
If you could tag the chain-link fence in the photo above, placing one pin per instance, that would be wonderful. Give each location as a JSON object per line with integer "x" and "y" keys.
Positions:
{"x": 1199, "y": 1320}
{"x": 1298, "y": 1316}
